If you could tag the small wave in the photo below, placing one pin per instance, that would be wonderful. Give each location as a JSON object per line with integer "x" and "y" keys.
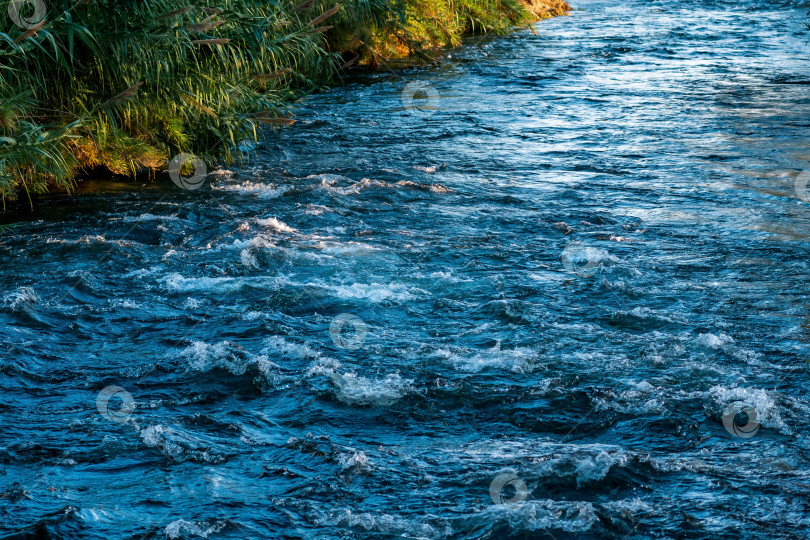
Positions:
{"x": 177, "y": 445}
{"x": 125, "y": 304}
{"x": 768, "y": 412}
{"x": 434, "y": 188}
{"x": 22, "y": 298}
{"x": 431, "y": 169}
{"x": 317, "y": 209}
{"x": 376, "y": 292}
{"x": 279, "y": 346}
{"x": 643, "y": 318}
{"x": 385, "y": 524}
{"x": 516, "y": 360}
{"x": 543, "y": 516}
{"x": 177, "y": 283}
{"x": 146, "y": 217}
{"x": 354, "y": 461}
{"x": 353, "y": 389}
{"x": 343, "y": 248}
{"x": 276, "y": 225}
{"x": 643, "y": 399}
{"x": 204, "y": 357}
{"x": 85, "y": 239}
{"x": 449, "y": 276}
{"x": 713, "y": 341}
{"x": 262, "y": 191}
{"x": 327, "y": 179}
{"x": 183, "y": 529}
{"x": 331, "y": 183}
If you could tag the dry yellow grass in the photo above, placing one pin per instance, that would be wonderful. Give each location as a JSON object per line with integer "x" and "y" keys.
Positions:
{"x": 543, "y": 9}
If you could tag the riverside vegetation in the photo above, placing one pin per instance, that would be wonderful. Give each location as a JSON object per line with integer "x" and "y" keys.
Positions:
{"x": 121, "y": 86}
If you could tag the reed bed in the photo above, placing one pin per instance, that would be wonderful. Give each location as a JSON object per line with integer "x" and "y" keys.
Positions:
{"x": 121, "y": 86}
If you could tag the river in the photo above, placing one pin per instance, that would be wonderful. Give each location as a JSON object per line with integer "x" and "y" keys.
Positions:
{"x": 556, "y": 287}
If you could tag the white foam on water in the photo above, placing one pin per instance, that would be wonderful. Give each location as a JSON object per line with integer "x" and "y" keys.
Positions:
{"x": 203, "y": 357}
{"x": 275, "y": 224}
{"x": 554, "y": 455}
{"x": 144, "y": 272}
{"x": 126, "y": 304}
{"x": 331, "y": 183}
{"x": 149, "y": 217}
{"x": 354, "y": 389}
{"x": 249, "y": 249}
{"x": 261, "y": 191}
{"x": 183, "y": 529}
{"x": 449, "y": 276}
{"x": 21, "y": 298}
{"x": 434, "y": 188}
{"x": 713, "y": 341}
{"x": 376, "y": 292}
{"x": 591, "y": 468}
{"x": 343, "y": 248}
{"x": 327, "y": 179}
{"x": 192, "y": 303}
{"x": 544, "y": 515}
{"x": 278, "y": 346}
{"x": 643, "y": 399}
{"x": 175, "y": 282}
{"x": 323, "y": 366}
{"x": 517, "y": 360}
{"x": 356, "y": 461}
{"x": 384, "y": 525}
{"x": 647, "y": 313}
{"x": 768, "y": 412}
{"x": 317, "y": 209}
{"x": 159, "y": 436}
{"x": 248, "y": 258}
{"x": 86, "y": 239}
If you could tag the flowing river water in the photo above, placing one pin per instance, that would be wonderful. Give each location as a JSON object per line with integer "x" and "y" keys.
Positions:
{"x": 556, "y": 287}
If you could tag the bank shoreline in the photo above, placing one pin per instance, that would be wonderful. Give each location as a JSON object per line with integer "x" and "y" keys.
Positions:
{"x": 120, "y": 106}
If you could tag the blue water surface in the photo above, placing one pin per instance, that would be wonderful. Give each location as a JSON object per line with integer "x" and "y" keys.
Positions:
{"x": 556, "y": 287}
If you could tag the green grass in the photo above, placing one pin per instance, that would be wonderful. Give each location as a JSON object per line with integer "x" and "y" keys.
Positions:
{"x": 124, "y": 85}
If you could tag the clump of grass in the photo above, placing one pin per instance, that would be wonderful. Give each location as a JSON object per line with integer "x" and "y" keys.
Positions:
{"x": 126, "y": 84}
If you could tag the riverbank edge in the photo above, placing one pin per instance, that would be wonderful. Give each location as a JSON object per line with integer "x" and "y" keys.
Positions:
{"x": 422, "y": 36}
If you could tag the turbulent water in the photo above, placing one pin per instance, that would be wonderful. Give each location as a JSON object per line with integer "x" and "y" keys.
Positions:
{"x": 556, "y": 287}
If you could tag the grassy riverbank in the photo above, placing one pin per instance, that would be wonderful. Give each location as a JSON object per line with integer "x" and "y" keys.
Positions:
{"x": 116, "y": 86}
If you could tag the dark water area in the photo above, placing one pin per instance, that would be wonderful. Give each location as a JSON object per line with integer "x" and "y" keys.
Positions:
{"x": 555, "y": 288}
